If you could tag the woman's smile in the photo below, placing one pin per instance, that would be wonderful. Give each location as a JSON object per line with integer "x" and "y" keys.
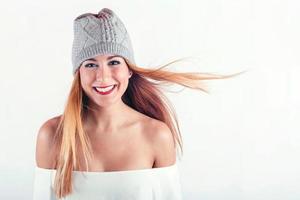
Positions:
{"x": 106, "y": 90}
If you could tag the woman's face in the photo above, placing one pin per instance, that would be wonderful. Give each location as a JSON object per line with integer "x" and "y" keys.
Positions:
{"x": 104, "y": 78}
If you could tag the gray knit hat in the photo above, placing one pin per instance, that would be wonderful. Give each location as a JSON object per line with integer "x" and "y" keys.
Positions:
{"x": 102, "y": 33}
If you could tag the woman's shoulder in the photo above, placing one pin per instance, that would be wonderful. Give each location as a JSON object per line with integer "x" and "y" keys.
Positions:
{"x": 161, "y": 141}
{"x": 45, "y": 148}
{"x": 153, "y": 125}
{"x": 156, "y": 130}
{"x": 159, "y": 131}
{"x": 48, "y": 128}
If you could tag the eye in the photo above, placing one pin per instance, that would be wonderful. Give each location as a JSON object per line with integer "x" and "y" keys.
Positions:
{"x": 89, "y": 65}
{"x": 115, "y": 61}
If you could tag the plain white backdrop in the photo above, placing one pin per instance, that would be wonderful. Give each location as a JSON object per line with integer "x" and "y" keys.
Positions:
{"x": 241, "y": 142}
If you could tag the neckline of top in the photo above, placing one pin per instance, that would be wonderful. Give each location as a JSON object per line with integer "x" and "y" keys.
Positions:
{"x": 114, "y": 172}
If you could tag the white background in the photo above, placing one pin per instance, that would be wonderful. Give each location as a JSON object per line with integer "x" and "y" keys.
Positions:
{"x": 241, "y": 141}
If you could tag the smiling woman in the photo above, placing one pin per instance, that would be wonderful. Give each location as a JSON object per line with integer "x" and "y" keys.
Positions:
{"x": 118, "y": 127}
{"x": 104, "y": 79}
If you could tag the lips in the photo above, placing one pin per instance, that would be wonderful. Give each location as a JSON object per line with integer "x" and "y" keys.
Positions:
{"x": 104, "y": 90}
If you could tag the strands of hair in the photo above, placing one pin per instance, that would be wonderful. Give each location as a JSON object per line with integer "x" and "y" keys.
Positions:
{"x": 142, "y": 94}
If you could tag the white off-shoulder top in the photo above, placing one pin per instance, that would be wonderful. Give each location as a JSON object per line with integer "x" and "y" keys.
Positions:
{"x": 143, "y": 184}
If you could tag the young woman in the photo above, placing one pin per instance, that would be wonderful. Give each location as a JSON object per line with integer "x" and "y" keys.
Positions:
{"x": 118, "y": 135}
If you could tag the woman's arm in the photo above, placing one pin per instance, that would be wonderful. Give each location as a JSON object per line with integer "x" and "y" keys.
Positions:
{"x": 163, "y": 146}
{"x": 45, "y": 149}
{"x": 45, "y": 157}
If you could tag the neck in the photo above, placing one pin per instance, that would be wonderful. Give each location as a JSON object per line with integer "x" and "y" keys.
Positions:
{"x": 107, "y": 119}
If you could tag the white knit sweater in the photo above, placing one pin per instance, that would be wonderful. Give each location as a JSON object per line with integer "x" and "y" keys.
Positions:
{"x": 144, "y": 184}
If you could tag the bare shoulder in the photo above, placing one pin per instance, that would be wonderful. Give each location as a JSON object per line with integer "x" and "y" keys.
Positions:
{"x": 162, "y": 143}
{"x": 45, "y": 150}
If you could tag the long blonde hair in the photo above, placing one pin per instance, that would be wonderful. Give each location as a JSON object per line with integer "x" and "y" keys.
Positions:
{"x": 142, "y": 94}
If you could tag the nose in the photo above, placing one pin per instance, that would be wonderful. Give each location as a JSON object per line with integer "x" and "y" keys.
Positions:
{"x": 103, "y": 73}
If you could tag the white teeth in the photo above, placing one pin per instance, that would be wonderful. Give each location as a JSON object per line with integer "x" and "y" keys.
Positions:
{"x": 104, "y": 89}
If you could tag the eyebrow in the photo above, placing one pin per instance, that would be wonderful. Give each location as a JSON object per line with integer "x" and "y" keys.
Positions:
{"x": 108, "y": 58}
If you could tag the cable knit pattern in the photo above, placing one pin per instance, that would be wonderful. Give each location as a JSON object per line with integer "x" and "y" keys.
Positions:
{"x": 102, "y": 33}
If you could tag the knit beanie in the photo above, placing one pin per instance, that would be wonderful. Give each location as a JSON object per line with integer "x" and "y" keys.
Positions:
{"x": 102, "y": 33}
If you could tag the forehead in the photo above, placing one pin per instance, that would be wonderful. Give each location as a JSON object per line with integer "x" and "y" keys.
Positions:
{"x": 103, "y": 57}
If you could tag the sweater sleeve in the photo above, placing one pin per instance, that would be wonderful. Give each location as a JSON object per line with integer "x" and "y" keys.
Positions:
{"x": 42, "y": 189}
{"x": 170, "y": 184}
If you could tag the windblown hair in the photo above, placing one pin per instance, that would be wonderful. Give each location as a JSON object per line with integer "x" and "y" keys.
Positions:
{"x": 143, "y": 94}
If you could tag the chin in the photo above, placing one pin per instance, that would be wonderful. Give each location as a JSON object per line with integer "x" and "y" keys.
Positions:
{"x": 101, "y": 102}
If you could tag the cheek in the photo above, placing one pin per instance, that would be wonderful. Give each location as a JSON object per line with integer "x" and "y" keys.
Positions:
{"x": 122, "y": 74}
{"x": 86, "y": 79}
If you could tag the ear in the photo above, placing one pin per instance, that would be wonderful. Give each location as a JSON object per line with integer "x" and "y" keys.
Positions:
{"x": 130, "y": 73}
